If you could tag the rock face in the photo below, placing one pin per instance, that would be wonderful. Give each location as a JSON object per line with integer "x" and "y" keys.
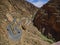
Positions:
{"x": 47, "y": 19}
{"x": 30, "y": 36}
{"x": 21, "y": 11}
{"x": 17, "y": 8}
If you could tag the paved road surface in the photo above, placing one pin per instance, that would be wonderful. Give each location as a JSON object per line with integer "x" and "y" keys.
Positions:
{"x": 11, "y": 34}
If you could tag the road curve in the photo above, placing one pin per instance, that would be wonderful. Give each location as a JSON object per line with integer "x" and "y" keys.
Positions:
{"x": 13, "y": 36}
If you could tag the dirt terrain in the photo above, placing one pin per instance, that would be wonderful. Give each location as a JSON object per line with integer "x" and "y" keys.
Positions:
{"x": 21, "y": 10}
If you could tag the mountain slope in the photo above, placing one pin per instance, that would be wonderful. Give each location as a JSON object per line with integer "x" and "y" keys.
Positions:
{"x": 47, "y": 19}
{"x": 21, "y": 11}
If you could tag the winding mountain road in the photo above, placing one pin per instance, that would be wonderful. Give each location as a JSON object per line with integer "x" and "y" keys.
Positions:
{"x": 13, "y": 36}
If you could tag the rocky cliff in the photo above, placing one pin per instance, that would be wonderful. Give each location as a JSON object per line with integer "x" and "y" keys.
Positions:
{"x": 47, "y": 19}
{"x": 22, "y": 11}
{"x": 17, "y": 8}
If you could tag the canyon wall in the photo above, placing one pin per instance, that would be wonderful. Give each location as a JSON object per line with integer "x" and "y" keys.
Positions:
{"x": 47, "y": 19}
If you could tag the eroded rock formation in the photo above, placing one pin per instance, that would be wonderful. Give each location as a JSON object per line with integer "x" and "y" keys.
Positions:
{"x": 19, "y": 10}
{"x": 47, "y": 19}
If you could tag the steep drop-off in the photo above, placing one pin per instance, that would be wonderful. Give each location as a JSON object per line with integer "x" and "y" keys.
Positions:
{"x": 47, "y": 19}
{"x": 22, "y": 11}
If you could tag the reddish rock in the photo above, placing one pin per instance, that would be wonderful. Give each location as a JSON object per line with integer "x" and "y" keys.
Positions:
{"x": 48, "y": 17}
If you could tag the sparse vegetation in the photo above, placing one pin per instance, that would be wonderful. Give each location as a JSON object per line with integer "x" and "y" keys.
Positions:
{"x": 46, "y": 39}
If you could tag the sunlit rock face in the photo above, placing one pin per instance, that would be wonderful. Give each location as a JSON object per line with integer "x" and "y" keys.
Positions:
{"x": 17, "y": 8}
{"x": 22, "y": 11}
{"x": 48, "y": 17}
